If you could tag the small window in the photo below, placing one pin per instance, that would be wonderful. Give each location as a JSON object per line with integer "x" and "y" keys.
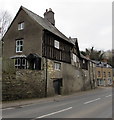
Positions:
{"x": 104, "y": 74}
{"x": 83, "y": 61}
{"x": 21, "y": 26}
{"x": 56, "y": 44}
{"x": 57, "y": 66}
{"x": 109, "y": 75}
{"x": 19, "y": 45}
{"x": 99, "y": 74}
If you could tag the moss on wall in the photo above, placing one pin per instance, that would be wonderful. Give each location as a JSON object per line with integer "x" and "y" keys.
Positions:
{"x": 23, "y": 84}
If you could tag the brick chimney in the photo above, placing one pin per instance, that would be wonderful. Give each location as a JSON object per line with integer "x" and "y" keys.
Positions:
{"x": 49, "y": 15}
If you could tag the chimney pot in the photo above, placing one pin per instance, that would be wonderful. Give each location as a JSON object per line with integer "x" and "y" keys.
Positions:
{"x": 50, "y": 9}
{"x": 49, "y": 15}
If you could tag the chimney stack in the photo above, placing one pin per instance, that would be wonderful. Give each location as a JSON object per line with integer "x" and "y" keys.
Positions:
{"x": 49, "y": 15}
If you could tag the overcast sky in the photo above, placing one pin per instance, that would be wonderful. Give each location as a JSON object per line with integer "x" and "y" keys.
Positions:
{"x": 88, "y": 20}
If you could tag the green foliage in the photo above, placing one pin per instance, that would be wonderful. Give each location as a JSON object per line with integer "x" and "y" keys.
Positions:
{"x": 94, "y": 54}
{"x": 110, "y": 57}
{"x": 100, "y": 55}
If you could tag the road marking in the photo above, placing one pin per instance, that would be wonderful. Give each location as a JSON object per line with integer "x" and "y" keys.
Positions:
{"x": 92, "y": 101}
{"x": 108, "y": 95}
{"x": 54, "y": 112}
{"x": 8, "y": 108}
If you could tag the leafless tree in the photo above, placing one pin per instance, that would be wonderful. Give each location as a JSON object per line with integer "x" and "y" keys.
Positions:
{"x": 5, "y": 20}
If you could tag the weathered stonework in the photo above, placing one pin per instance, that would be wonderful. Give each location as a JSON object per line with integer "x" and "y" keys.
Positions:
{"x": 23, "y": 84}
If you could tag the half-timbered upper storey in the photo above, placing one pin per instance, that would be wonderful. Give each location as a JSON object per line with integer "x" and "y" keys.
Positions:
{"x": 31, "y": 37}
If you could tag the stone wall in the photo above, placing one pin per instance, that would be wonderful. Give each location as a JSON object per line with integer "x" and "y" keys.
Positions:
{"x": 23, "y": 84}
{"x": 74, "y": 79}
{"x": 32, "y": 83}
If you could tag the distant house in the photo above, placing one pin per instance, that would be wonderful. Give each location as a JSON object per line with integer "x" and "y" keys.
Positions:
{"x": 103, "y": 73}
{"x": 34, "y": 43}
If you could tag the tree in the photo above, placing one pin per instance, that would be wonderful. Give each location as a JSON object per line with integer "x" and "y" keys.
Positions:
{"x": 5, "y": 20}
{"x": 109, "y": 54}
{"x": 94, "y": 54}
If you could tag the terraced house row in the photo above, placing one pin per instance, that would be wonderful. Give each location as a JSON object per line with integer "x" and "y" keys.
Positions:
{"x": 104, "y": 74}
{"x": 40, "y": 61}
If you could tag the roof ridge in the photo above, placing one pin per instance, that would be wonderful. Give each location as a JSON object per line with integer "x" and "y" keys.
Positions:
{"x": 24, "y": 8}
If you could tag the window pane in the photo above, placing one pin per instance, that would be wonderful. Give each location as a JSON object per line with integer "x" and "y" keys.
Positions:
{"x": 17, "y": 42}
{"x": 17, "y": 62}
{"x": 57, "y": 66}
{"x": 21, "y": 42}
{"x": 21, "y": 48}
{"x": 23, "y": 62}
{"x": 56, "y": 44}
{"x": 21, "y": 26}
{"x": 17, "y": 48}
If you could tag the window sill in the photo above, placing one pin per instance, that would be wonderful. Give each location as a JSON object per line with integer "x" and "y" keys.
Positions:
{"x": 19, "y": 51}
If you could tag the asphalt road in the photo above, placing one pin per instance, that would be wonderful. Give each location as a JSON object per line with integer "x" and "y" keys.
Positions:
{"x": 91, "y": 104}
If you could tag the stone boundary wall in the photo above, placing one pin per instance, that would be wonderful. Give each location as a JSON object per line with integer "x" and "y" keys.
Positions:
{"x": 24, "y": 84}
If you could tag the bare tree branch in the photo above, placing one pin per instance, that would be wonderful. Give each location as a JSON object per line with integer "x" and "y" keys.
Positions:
{"x": 5, "y": 20}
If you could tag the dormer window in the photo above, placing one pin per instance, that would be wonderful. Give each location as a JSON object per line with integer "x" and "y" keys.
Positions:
{"x": 21, "y": 26}
{"x": 56, "y": 44}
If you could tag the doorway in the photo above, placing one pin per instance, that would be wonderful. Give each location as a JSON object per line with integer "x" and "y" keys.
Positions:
{"x": 57, "y": 84}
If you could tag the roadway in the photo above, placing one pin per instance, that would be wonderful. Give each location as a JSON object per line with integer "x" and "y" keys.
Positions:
{"x": 91, "y": 104}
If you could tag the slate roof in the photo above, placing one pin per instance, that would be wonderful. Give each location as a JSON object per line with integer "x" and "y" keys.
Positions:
{"x": 102, "y": 64}
{"x": 45, "y": 24}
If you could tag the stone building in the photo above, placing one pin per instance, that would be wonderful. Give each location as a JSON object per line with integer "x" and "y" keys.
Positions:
{"x": 39, "y": 60}
{"x": 103, "y": 73}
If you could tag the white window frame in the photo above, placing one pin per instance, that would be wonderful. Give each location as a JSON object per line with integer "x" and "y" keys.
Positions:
{"x": 56, "y": 44}
{"x": 17, "y": 65}
{"x": 18, "y": 46}
{"x": 57, "y": 66}
{"x": 74, "y": 58}
{"x": 24, "y": 65}
{"x": 21, "y": 26}
{"x": 19, "y": 62}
